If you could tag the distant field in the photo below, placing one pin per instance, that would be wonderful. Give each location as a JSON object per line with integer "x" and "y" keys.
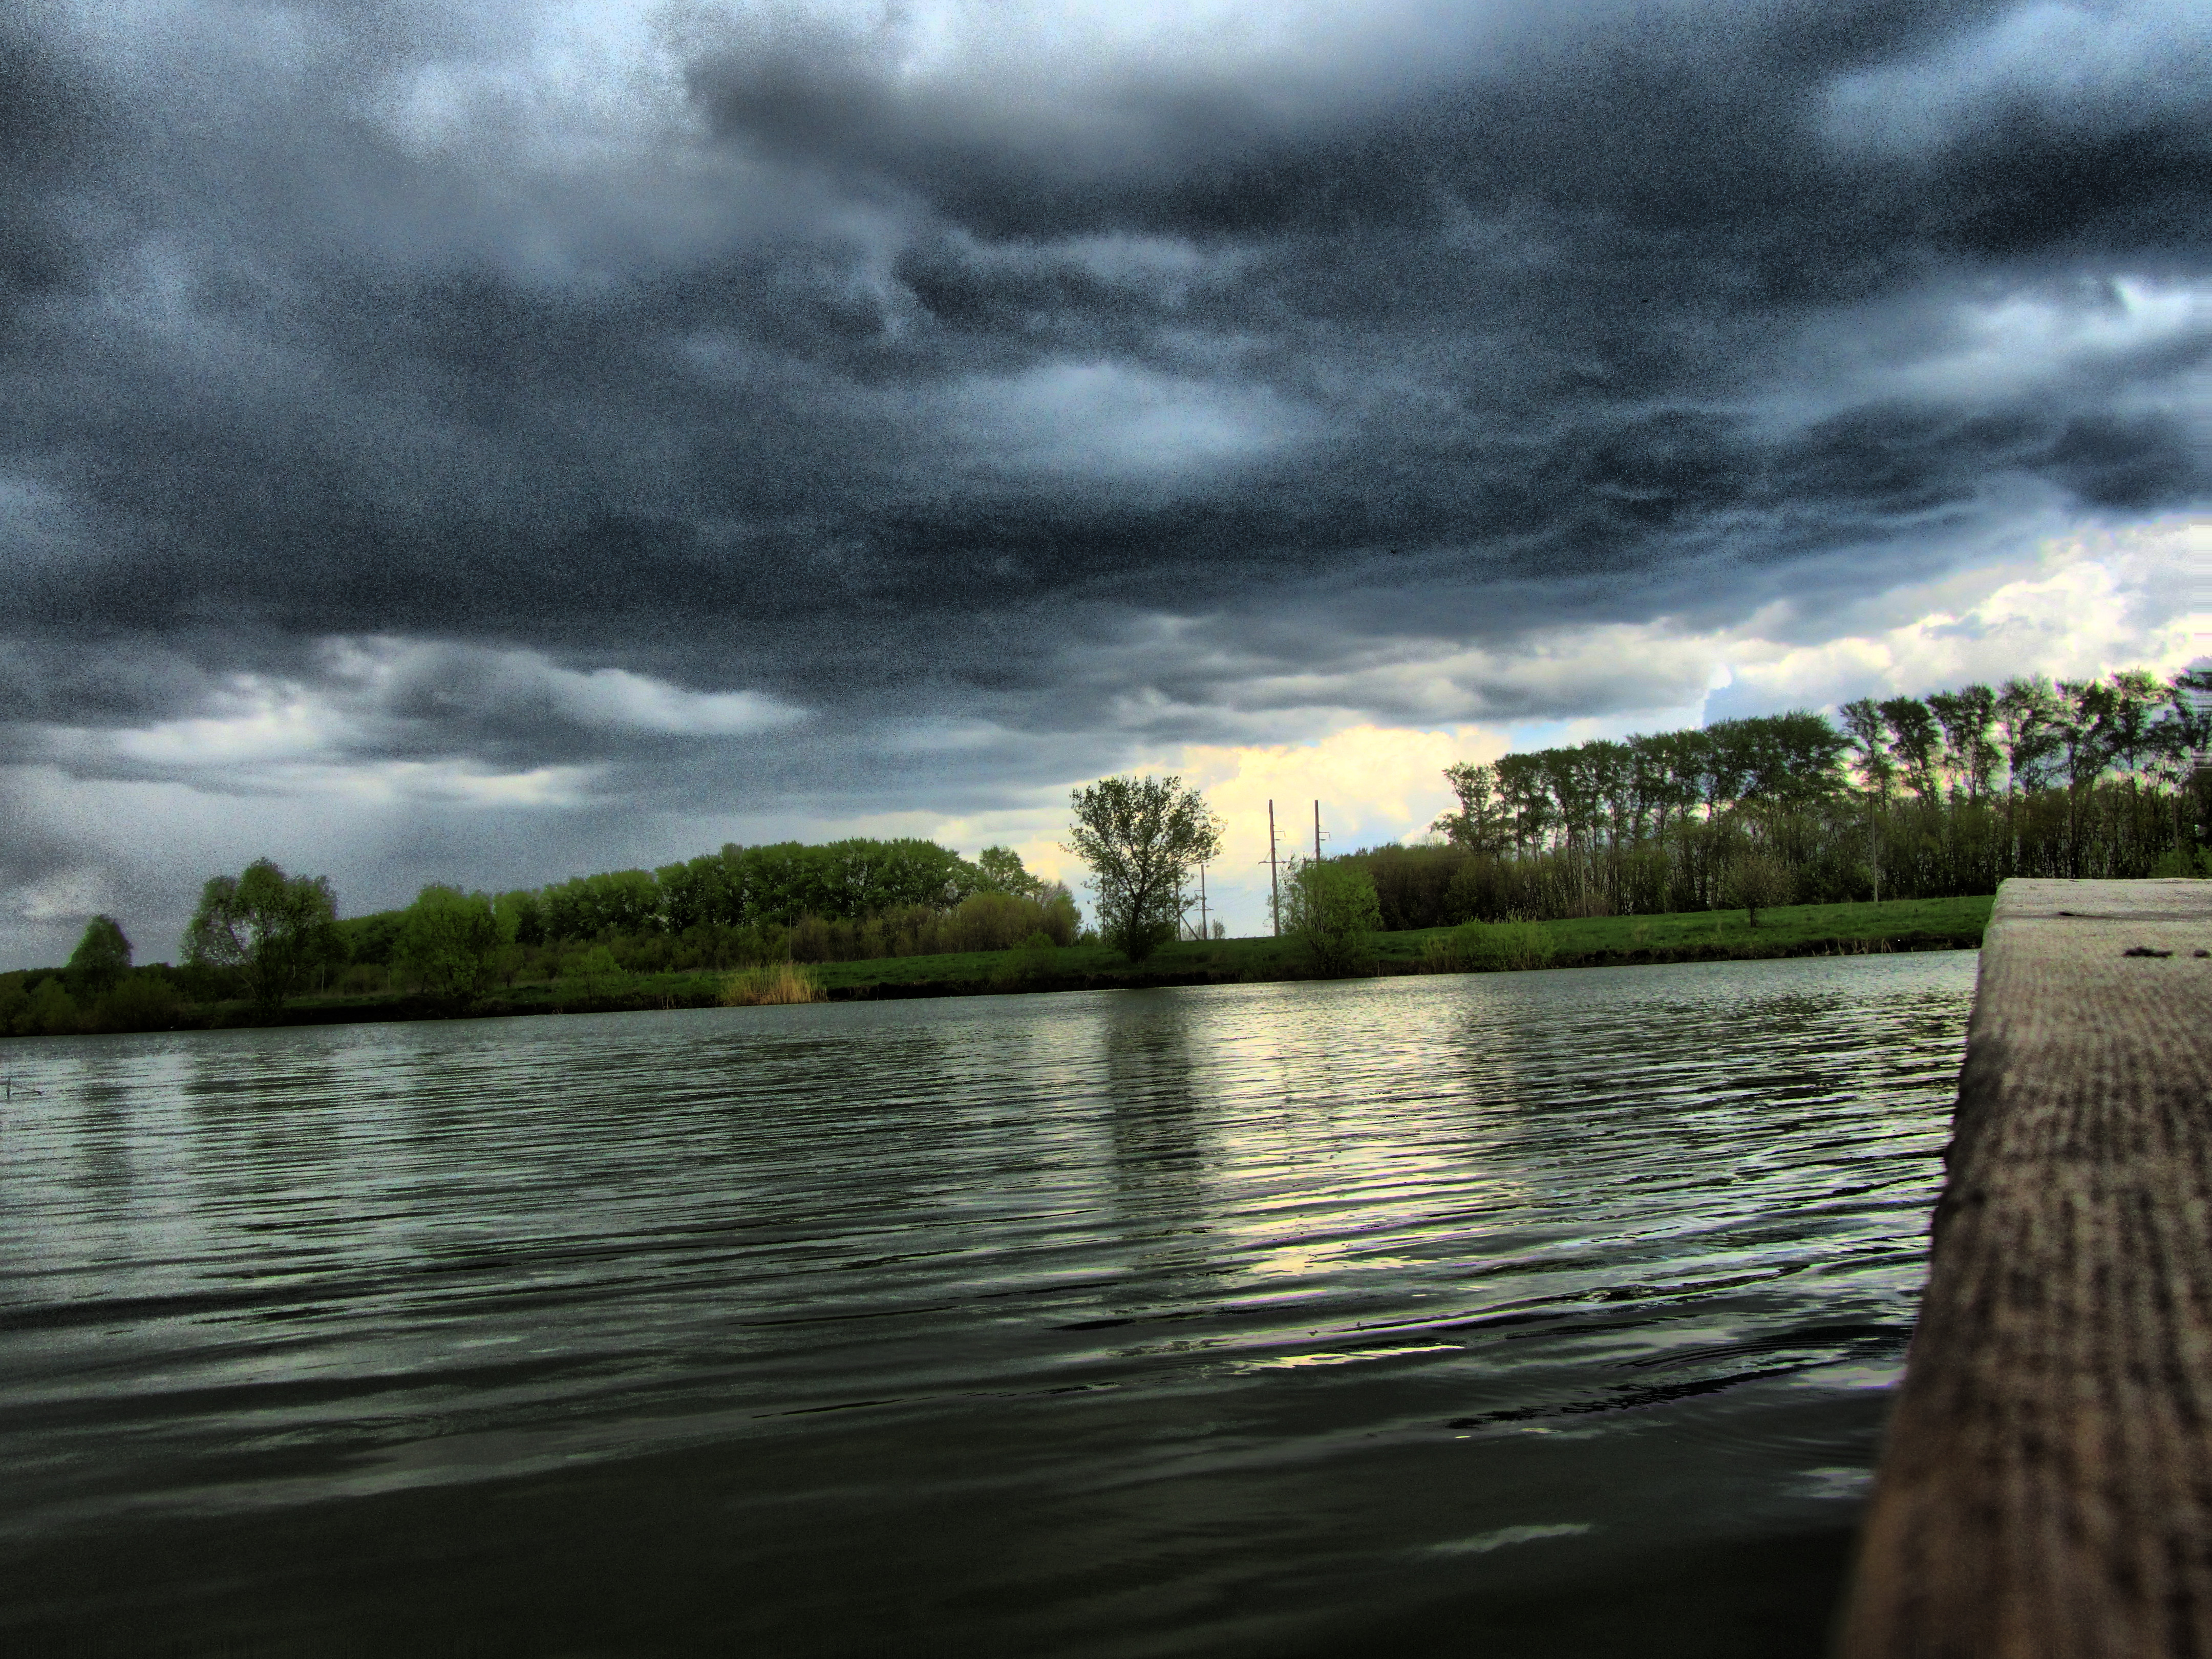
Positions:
{"x": 1793, "y": 930}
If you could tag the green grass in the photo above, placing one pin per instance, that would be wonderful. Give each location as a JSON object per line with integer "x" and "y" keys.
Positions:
{"x": 1789, "y": 930}
{"x": 1792, "y": 930}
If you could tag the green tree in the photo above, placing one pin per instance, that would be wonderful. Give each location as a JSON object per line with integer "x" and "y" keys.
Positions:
{"x": 52, "y": 1012}
{"x": 1330, "y": 907}
{"x": 1755, "y": 881}
{"x": 1868, "y": 735}
{"x": 1003, "y": 873}
{"x": 1916, "y": 741}
{"x": 271, "y": 926}
{"x": 1967, "y": 717}
{"x": 1483, "y": 823}
{"x": 101, "y": 957}
{"x": 1141, "y": 837}
{"x": 2029, "y": 716}
{"x": 450, "y": 942}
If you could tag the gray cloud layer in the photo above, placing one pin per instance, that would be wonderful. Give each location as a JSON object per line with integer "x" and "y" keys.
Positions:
{"x": 909, "y": 368}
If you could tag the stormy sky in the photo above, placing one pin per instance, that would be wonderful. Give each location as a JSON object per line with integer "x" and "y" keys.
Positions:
{"x": 489, "y": 443}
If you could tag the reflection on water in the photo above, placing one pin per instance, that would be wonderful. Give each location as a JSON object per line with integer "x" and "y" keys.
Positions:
{"x": 1511, "y": 1314}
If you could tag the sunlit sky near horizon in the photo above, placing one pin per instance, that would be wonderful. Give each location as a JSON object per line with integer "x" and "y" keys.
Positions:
{"x": 492, "y": 442}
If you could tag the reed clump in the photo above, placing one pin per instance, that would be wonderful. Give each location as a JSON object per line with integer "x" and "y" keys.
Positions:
{"x": 1489, "y": 947}
{"x": 778, "y": 982}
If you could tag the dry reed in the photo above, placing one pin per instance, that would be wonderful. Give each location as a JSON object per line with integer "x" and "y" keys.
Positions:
{"x": 779, "y": 982}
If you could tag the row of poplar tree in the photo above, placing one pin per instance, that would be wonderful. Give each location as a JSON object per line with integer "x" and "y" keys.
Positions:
{"x": 1905, "y": 798}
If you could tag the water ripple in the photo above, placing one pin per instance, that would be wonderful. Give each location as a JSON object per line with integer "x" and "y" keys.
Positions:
{"x": 1365, "y": 1297}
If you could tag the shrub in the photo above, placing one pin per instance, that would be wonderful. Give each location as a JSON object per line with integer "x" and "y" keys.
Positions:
{"x": 1329, "y": 906}
{"x": 144, "y": 1002}
{"x": 51, "y": 1013}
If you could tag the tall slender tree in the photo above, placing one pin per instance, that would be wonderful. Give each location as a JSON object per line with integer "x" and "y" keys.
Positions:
{"x": 1141, "y": 837}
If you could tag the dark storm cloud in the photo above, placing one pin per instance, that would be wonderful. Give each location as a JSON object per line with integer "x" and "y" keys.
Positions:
{"x": 908, "y": 391}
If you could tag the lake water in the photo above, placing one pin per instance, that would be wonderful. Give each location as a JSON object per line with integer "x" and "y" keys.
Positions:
{"x": 1543, "y": 1313}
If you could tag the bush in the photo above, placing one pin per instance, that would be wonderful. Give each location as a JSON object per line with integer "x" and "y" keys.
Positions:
{"x": 988, "y": 921}
{"x": 1329, "y": 906}
{"x": 595, "y": 968}
{"x": 144, "y": 1002}
{"x": 52, "y": 1012}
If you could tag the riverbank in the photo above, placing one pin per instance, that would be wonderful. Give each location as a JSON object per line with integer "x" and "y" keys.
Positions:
{"x": 1588, "y": 942}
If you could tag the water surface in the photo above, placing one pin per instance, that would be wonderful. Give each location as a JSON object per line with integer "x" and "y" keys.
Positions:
{"x": 1510, "y": 1314}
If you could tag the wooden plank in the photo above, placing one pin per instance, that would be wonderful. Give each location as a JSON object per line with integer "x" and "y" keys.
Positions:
{"x": 2046, "y": 1487}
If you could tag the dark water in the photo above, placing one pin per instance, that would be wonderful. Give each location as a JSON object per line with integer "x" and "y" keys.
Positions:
{"x": 1520, "y": 1314}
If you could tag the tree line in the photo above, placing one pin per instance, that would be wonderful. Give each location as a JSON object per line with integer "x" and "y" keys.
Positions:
{"x": 263, "y": 936}
{"x": 1941, "y": 796}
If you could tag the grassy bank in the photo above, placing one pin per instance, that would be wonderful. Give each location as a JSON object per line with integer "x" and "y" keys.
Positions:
{"x": 1801, "y": 930}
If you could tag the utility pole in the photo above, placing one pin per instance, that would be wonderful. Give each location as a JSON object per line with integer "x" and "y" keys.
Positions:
{"x": 1202, "y": 931}
{"x": 1317, "y": 832}
{"x": 1274, "y": 881}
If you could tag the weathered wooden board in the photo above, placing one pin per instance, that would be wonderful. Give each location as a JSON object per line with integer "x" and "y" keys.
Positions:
{"x": 2046, "y": 1488}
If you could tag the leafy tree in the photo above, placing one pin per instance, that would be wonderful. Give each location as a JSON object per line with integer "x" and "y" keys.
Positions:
{"x": 522, "y": 918}
{"x": 1967, "y": 716}
{"x": 1482, "y": 824}
{"x": 271, "y": 927}
{"x": 2184, "y": 730}
{"x": 1003, "y": 873}
{"x": 450, "y": 942}
{"x": 2029, "y": 716}
{"x": 101, "y": 957}
{"x": 1756, "y": 882}
{"x": 1329, "y": 906}
{"x": 1141, "y": 837}
{"x": 1916, "y": 740}
{"x": 1868, "y": 737}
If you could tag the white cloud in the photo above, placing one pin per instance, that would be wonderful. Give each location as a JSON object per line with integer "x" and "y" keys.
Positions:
{"x": 1973, "y": 348}
{"x": 275, "y": 767}
{"x": 1110, "y": 421}
{"x": 423, "y": 679}
{"x": 614, "y": 697}
{"x": 2070, "y": 63}
{"x": 2082, "y": 605}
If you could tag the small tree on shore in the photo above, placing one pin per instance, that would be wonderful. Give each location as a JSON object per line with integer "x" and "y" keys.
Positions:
{"x": 1756, "y": 882}
{"x": 1329, "y": 906}
{"x": 271, "y": 927}
{"x": 1141, "y": 837}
